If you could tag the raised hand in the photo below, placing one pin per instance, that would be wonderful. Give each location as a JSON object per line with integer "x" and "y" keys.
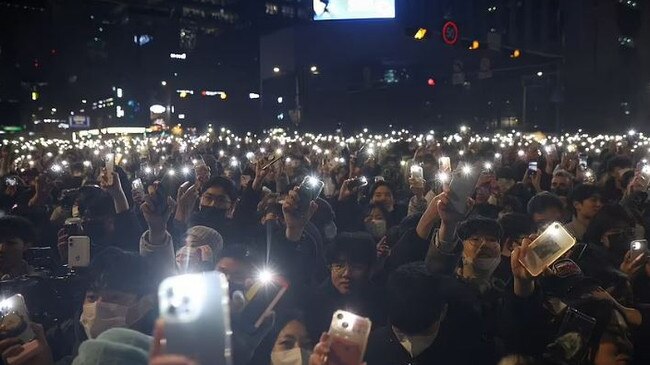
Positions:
{"x": 524, "y": 284}
{"x": 294, "y": 217}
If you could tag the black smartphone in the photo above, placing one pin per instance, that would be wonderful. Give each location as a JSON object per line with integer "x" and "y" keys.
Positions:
{"x": 309, "y": 190}
{"x": 261, "y": 298}
{"x": 462, "y": 186}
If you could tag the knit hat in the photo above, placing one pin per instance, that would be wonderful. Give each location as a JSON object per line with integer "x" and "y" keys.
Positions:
{"x": 203, "y": 235}
{"x": 115, "y": 346}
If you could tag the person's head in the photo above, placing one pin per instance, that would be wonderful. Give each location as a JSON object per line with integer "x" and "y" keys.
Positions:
{"x": 350, "y": 258}
{"x": 236, "y": 262}
{"x": 97, "y": 212}
{"x": 382, "y": 194}
{"x": 505, "y": 179}
{"x": 562, "y": 183}
{"x": 202, "y": 245}
{"x": 292, "y": 344}
{"x": 120, "y": 293}
{"x": 17, "y": 234}
{"x": 481, "y": 239}
{"x": 516, "y": 227}
{"x": 613, "y": 228}
{"x": 202, "y": 173}
{"x": 545, "y": 208}
{"x": 218, "y": 194}
{"x": 376, "y": 221}
{"x": 416, "y": 300}
{"x": 618, "y": 164}
{"x": 586, "y": 201}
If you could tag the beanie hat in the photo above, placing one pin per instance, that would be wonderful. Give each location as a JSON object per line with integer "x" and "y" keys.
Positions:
{"x": 206, "y": 236}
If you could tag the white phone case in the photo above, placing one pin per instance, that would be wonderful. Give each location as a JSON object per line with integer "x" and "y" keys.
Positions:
{"x": 195, "y": 309}
{"x": 349, "y": 337}
{"x": 14, "y": 317}
{"x": 78, "y": 251}
{"x": 554, "y": 242}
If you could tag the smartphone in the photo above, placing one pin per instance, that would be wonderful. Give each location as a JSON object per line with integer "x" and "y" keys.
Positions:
{"x": 554, "y": 242}
{"x": 78, "y": 251}
{"x": 590, "y": 176}
{"x": 138, "y": 187}
{"x": 348, "y": 338}
{"x": 309, "y": 190}
{"x": 582, "y": 161}
{"x": 532, "y": 167}
{"x": 637, "y": 248}
{"x": 417, "y": 172}
{"x": 261, "y": 299}
{"x": 110, "y": 167}
{"x": 379, "y": 178}
{"x": 462, "y": 186}
{"x": 14, "y": 319}
{"x": 572, "y": 341}
{"x": 357, "y": 183}
{"x": 444, "y": 164}
{"x": 11, "y": 181}
{"x": 196, "y": 314}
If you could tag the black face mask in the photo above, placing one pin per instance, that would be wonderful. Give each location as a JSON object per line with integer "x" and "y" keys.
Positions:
{"x": 561, "y": 191}
{"x": 619, "y": 244}
{"x": 213, "y": 212}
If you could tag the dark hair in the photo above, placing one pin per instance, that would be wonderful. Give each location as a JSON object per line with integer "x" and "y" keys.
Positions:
{"x": 583, "y": 192}
{"x": 12, "y": 226}
{"x": 415, "y": 298}
{"x": 609, "y": 217}
{"x": 379, "y": 184}
{"x": 627, "y": 178}
{"x": 514, "y": 202}
{"x": 357, "y": 247}
{"x": 515, "y": 225}
{"x": 94, "y": 202}
{"x": 505, "y": 173}
{"x": 544, "y": 201}
{"x": 237, "y": 252}
{"x": 479, "y": 225}
{"x": 114, "y": 269}
{"x": 381, "y": 208}
{"x": 224, "y": 183}
{"x": 618, "y": 162}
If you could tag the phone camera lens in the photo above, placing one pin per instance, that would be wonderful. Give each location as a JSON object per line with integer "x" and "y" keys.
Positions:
{"x": 170, "y": 292}
{"x": 345, "y": 325}
{"x": 339, "y": 316}
{"x": 171, "y": 310}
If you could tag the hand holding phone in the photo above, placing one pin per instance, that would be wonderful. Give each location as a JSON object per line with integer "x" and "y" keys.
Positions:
{"x": 462, "y": 186}
{"x": 110, "y": 168}
{"x": 444, "y": 164}
{"x": 309, "y": 190}
{"x": 348, "y": 338}
{"x": 554, "y": 242}
{"x": 14, "y": 319}
{"x": 417, "y": 172}
{"x": 638, "y": 248}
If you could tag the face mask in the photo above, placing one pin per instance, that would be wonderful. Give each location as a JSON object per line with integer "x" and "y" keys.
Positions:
{"x": 191, "y": 259}
{"x": 295, "y": 356}
{"x": 481, "y": 267}
{"x": 214, "y": 212}
{"x": 99, "y": 316}
{"x": 376, "y": 227}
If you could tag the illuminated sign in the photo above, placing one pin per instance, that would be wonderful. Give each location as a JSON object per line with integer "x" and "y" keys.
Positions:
{"x": 450, "y": 33}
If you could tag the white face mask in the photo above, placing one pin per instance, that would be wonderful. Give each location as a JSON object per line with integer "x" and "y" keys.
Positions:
{"x": 99, "y": 316}
{"x": 295, "y": 356}
{"x": 480, "y": 268}
{"x": 377, "y": 228}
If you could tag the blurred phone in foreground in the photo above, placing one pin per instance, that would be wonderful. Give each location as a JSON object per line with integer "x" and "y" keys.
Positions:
{"x": 572, "y": 341}
{"x": 462, "y": 186}
{"x": 444, "y": 164}
{"x": 554, "y": 242}
{"x": 196, "y": 314}
{"x": 138, "y": 187}
{"x": 14, "y": 319}
{"x": 78, "y": 251}
{"x": 348, "y": 338}
{"x": 262, "y": 298}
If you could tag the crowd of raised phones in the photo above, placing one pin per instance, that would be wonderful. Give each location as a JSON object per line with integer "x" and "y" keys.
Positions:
{"x": 374, "y": 225}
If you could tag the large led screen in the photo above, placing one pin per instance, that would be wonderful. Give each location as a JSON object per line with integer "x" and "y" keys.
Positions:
{"x": 353, "y": 9}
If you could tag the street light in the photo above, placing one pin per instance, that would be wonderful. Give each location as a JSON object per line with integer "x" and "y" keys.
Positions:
{"x": 314, "y": 70}
{"x": 163, "y": 83}
{"x": 540, "y": 73}
{"x": 276, "y": 69}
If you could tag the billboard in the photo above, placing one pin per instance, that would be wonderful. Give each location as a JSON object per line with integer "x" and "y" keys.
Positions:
{"x": 79, "y": 121}
{"x": 353, "y": 9}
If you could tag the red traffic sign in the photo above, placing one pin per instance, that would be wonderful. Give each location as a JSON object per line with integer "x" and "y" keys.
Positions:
{"x": 450, "y": 33}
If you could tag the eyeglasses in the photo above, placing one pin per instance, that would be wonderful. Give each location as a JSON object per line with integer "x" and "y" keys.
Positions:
{"x": 478, "y": 241}
{"x": 340, "y": 267}
{"x": 216, "y": 199}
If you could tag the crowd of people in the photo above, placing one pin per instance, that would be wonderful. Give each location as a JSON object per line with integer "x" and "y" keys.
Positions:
{"x": 384, "y": 238}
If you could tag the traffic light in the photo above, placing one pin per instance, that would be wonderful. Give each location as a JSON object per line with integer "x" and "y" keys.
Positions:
{"x": 419, "y": 33}
{"x": 516, "y": 53}
{"x": 474, "y": 45}
{"x": 431, "y": 82}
